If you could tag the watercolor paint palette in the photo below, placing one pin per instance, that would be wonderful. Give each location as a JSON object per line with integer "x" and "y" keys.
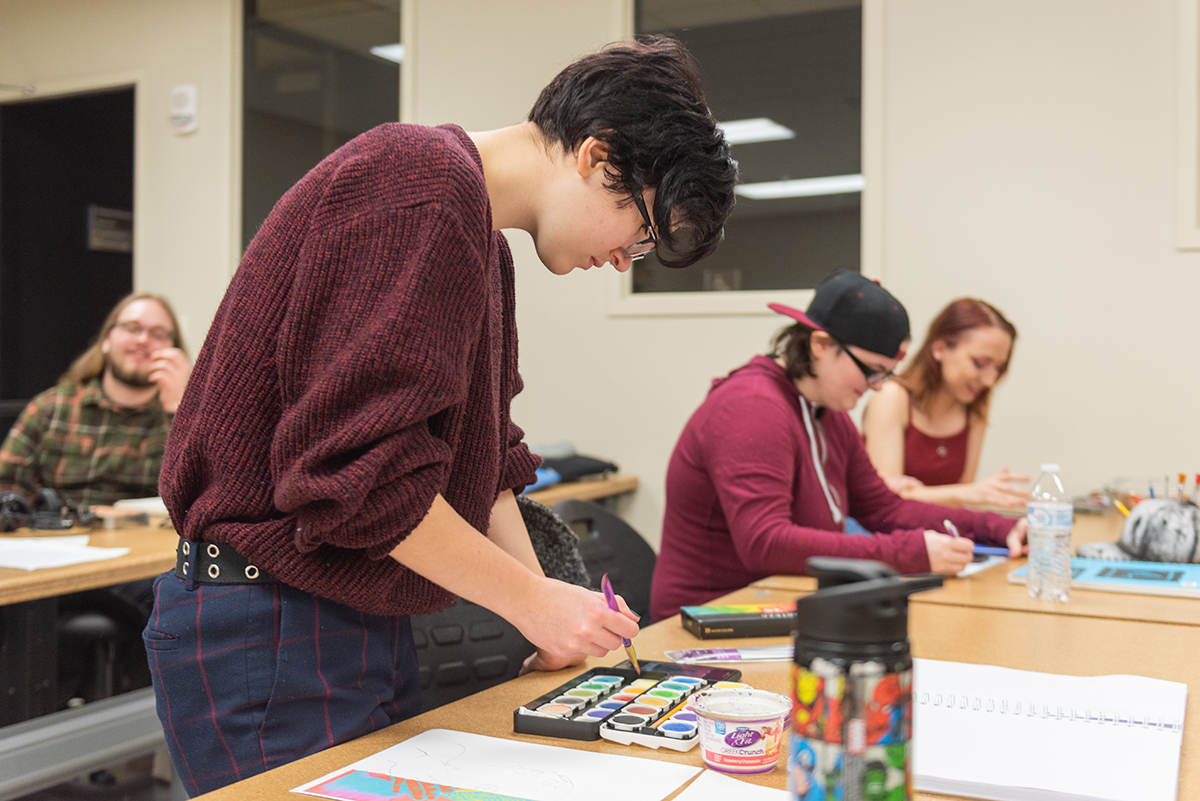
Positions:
{"x": 620, "y": 705}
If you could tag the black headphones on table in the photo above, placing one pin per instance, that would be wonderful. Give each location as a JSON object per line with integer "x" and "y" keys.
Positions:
{"x": 14, "y": 511}
{"x": 50, "y": 511}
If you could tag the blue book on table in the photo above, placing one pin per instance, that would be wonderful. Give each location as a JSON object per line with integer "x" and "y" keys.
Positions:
{"x": 1149, "y": 578}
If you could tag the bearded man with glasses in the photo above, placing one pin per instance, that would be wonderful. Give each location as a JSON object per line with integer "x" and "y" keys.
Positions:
{"x": 98, "y": 436}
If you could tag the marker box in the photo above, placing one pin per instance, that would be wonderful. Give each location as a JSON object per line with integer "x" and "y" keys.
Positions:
{"x": 649, "y": 709}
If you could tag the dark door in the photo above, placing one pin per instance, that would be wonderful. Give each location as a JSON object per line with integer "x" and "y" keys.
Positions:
{"x": 66, "y": 202}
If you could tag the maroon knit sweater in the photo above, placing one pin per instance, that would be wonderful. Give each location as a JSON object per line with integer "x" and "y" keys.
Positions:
{"x": 363, "y": 360}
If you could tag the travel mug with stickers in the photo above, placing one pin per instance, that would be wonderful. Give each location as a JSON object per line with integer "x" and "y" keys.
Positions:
{"x": 852, "y": 684}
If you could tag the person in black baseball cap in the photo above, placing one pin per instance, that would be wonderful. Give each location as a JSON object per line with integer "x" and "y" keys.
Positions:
{"x": 858, "y": 322}
{"x": 768, "y": 470}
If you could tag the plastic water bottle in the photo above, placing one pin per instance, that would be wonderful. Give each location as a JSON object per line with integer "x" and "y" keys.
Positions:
{"x": 1049, "y": 514}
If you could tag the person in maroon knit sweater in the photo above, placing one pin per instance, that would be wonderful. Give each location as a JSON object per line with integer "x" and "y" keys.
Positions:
{"x": 344, "y": 456}
{"x": 769, "y": 467}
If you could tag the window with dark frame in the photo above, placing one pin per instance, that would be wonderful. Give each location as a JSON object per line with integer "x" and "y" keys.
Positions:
{"x": 785, "y": 80}
{"x": 316, "y": 74}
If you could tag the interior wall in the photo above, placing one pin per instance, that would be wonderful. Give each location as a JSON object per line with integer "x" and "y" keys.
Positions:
{"x": 1029, "y": 160}
{"x": 183, "y": 185}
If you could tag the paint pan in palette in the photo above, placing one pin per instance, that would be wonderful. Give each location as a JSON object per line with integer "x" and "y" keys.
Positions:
{"x": 618, "y": 704}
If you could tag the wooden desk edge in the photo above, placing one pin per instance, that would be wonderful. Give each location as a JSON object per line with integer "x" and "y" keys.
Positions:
{"x": 585, "y": 490}
{"x": 152, "y": 551}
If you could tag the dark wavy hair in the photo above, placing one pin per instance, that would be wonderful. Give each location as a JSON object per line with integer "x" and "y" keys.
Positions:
{"x": 645, "y": 102}
{"x": 923, "y": 376}
{"x": 794, "y": 345}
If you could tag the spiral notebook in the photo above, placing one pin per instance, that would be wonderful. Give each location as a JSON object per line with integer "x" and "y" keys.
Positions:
{"x": 1014, "y": 735}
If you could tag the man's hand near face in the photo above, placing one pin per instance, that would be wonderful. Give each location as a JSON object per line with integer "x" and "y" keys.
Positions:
{"x": 169, "y": 371}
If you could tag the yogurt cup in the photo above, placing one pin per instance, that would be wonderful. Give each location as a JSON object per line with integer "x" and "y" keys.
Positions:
{"x": 740, "y": 730}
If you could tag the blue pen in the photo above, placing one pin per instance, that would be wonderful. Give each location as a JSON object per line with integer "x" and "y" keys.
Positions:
{"x": 991, "y": 550}
{"x": 611, "y": 597}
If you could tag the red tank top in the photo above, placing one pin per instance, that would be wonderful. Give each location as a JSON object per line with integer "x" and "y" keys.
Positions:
{"x": 934, "y": 460}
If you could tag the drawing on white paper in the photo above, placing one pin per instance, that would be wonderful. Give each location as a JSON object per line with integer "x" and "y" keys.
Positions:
{"x": 510, "y": 768}
{"x": 442, "y": 760}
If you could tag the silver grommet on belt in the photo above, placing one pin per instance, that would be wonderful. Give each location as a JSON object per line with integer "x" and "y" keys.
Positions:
{"x": 187, "y": 547}
{"x": 251, "y": 572}
{"x": 185, "y": 567}
{"x": 213, "y": 550}
{"x": 213, "y": 571}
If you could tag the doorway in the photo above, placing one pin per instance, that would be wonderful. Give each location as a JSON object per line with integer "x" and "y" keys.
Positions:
{"x": 66, "y": 217}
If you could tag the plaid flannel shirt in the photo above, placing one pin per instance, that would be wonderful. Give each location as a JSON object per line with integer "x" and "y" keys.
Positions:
{"x": 74, "y": 439}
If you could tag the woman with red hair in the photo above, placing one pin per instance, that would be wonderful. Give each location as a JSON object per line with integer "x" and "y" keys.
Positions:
{"x": 924, "y": 429}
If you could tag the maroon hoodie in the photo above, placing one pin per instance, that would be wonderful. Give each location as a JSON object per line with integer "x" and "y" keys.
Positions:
{"x": 745, "y": 497}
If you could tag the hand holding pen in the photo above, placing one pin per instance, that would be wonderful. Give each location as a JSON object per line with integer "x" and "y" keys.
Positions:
{"x": 1014, "y": 549}
{"x": 948, "y": 554}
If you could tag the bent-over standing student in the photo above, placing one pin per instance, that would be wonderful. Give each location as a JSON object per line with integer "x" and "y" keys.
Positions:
{"x": 769, "y": 467}
{"x": 344, "y": 456}
{"x": 924, "y": 429}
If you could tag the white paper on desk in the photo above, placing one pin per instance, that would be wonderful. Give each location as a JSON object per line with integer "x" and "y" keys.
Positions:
{"x": 975, "y": 567}
{"x": 34, "y": 553}
{"x": 71, "y": 539}
{"x": 150, "y": 506}
{"x": 518, "y": 769}
{"x": 713, "y": 786}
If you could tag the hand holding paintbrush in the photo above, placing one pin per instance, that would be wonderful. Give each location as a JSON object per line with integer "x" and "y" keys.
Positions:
{"x": 611, "y": 597}
{"x": 576, "y": 623}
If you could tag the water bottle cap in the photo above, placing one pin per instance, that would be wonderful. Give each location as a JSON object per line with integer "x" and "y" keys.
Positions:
{"x": 1049, "y": 468}
{"x": 857, "y": 603}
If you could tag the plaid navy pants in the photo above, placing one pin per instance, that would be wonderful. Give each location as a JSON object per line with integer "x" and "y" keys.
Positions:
{"x": 248, "y": 677}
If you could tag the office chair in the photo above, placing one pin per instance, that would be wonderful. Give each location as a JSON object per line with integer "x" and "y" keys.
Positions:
{"x": 466, "y": 648}
{"x": 610, "y": 545}
{"x": 100, "y": 644}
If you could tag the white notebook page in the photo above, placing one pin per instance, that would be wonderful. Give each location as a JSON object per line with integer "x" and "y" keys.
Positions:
{"x": 1105, "y": 737}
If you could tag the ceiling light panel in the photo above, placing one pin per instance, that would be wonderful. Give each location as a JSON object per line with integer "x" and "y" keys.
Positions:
{"x": 755, "y": 129}
{"x": 802, "y": 187}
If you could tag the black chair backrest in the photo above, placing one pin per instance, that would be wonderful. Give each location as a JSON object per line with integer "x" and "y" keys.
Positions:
{"x": 463, "y": 649}
{"x": 610, "y": 545}
{"x": 466, "y": 648}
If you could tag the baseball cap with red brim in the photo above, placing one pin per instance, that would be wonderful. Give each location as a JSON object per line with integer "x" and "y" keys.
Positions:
{"x": 854, "y": 310}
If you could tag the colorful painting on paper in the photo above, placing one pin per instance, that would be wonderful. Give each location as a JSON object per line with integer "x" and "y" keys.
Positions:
{"x": 361, "y": 785}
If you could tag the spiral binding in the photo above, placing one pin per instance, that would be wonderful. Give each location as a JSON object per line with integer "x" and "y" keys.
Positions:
{"x": 1016, "y": 708}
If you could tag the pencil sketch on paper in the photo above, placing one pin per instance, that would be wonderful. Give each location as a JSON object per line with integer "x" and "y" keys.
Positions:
{"x": 449, "y": 761}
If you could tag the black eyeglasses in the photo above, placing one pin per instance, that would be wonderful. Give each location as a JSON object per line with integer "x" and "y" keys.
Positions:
{"x": 873, "y": 374}
{"x": 136, "y": 329}
{"x": 639, "y": 249}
